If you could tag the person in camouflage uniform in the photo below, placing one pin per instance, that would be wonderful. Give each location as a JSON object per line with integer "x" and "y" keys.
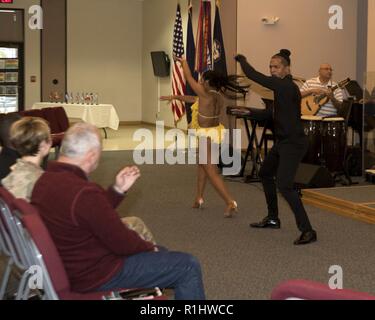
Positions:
{"x": 31, "y": 137}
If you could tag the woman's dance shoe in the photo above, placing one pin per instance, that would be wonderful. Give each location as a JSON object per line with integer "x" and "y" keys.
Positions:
{"x": 231, "y": 210}
{"x": 198, "y": 204}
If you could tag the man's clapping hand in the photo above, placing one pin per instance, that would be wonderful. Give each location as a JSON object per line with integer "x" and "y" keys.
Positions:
{"x": 126, "y": 178}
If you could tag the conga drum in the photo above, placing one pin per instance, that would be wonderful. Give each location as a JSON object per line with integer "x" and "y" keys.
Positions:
{"x": 312, "y": 126}
{"x": 334, "y": 143}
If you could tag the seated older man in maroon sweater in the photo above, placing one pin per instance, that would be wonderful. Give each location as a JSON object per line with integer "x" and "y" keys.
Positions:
{"x": 98, "y": 251}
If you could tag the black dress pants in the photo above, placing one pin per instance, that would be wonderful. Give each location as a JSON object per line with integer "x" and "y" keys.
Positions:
{"x": 279, "y": 170}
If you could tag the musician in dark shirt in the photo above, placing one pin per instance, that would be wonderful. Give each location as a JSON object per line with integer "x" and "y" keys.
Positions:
{"x": 290, "y": 144}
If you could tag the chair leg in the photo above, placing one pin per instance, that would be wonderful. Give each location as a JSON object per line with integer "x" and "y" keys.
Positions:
{"x": 105, "y": 133}
{"x": 57, "y": 152}
{"x": 5, "y": 280}
{"x": 23, "y": 287}
{"x": 26, "y": 291}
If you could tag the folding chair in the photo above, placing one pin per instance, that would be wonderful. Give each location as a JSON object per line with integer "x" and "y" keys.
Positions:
{"x": 62, "y": 118}
{"x": 49, "y": 114}
{"x": 55, "y": 280}
{"x": 310, "y": 290}
{"x": 32, "y": 113}
{"x": 13, "y": 246}
{"x": 7, "y": 251}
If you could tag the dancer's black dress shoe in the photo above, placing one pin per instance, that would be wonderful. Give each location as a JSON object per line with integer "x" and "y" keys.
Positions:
{"x": 267, "y": 223}
{"x": 306, "y": 237}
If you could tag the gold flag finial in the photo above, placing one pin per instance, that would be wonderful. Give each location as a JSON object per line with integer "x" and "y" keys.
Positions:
{"x": 218, "y": 3}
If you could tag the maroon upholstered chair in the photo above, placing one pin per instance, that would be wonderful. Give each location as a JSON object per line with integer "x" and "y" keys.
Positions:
{"x": 50, "y": 115}
{"x": 310, "y": 290}
{"x": 32, "y": 113}
{"x": 56, "y": 283}
{"x": 62, "y": 119}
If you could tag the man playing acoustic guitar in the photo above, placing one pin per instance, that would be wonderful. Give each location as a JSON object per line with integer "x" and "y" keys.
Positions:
{"x": 323, "y": 86}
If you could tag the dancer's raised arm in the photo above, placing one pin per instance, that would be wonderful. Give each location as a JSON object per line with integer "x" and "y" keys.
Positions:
{"x": 195, "y": 85}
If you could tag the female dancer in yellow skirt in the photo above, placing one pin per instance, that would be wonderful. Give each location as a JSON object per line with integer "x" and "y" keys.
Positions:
{"x": 205, "y": 120}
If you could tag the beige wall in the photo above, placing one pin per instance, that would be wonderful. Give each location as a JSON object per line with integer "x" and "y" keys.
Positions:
{"x": 228, "y": 15}
{"x": 158, "y": 17}
{"x": 303, "y": 28}
{"x": 32, "y": 53}
{"x": 105, "y": 52}
{"x": 371, "y": 36}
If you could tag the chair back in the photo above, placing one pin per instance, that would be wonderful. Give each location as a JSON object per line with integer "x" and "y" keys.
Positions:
{"x": 310, "y": 290}
{"x": 43, "y": 250}
{"x": 50, "y": 115}
{"x": 62, "y": 119}
{"x": 32, "y": 113}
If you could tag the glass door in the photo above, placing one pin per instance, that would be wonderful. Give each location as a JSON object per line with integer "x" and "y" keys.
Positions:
{"x": 11, "y": 78}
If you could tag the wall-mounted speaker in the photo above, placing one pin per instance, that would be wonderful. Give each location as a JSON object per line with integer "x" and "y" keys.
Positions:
{"x": 160, "y": 63}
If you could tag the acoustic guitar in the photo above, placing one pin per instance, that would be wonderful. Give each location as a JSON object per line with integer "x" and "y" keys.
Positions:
{"x": 311, "y": 104}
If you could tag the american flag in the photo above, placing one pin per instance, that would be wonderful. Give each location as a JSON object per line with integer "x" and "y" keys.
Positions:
{"x": 178, "y": 80}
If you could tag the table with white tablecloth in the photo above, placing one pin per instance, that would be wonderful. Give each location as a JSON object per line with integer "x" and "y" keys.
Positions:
{"x": 101, "y": 115}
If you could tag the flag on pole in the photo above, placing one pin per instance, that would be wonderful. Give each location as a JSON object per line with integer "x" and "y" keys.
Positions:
{"x": 220, "y": 62}
{"x": 178, "y": 80}
{"x": 190, "y": 57}
{"x": 203, "y": 61}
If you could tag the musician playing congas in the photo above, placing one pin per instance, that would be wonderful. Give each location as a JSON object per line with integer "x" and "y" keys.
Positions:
{"x": 289, "y": 148}
{"x": 323, "y": 86}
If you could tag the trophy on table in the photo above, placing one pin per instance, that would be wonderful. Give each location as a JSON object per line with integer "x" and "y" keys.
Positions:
{"x": 82, "y": 97}
{"x": 57, "y": 97}
{"x": 67, "y": 98}
{"x": 54, "y": 96}
{"x": 96, "y": 99}
{"x": 51, "y": 96}
{"x": 87, "y": 98}
{"x": 91, "y": 98}
{"x": 78, "y": 98}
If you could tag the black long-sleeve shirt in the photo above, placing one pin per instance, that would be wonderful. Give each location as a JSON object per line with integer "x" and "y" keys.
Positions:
{"x": 287, "y": 103}
{"x": 8, "y": 157}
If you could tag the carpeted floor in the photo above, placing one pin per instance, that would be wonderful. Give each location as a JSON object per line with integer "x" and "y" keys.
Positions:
{"x": 239, "y": 262}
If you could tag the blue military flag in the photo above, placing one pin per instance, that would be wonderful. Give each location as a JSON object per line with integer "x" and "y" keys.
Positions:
{"x": 220, "y": 62}
{"x": 190, "y": 57}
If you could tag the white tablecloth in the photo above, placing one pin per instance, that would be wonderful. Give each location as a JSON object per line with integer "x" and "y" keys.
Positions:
{"x": 101, "y": 115}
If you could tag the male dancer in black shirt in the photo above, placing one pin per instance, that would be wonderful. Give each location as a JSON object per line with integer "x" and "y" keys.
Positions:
{"x": 290, "y": 145}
